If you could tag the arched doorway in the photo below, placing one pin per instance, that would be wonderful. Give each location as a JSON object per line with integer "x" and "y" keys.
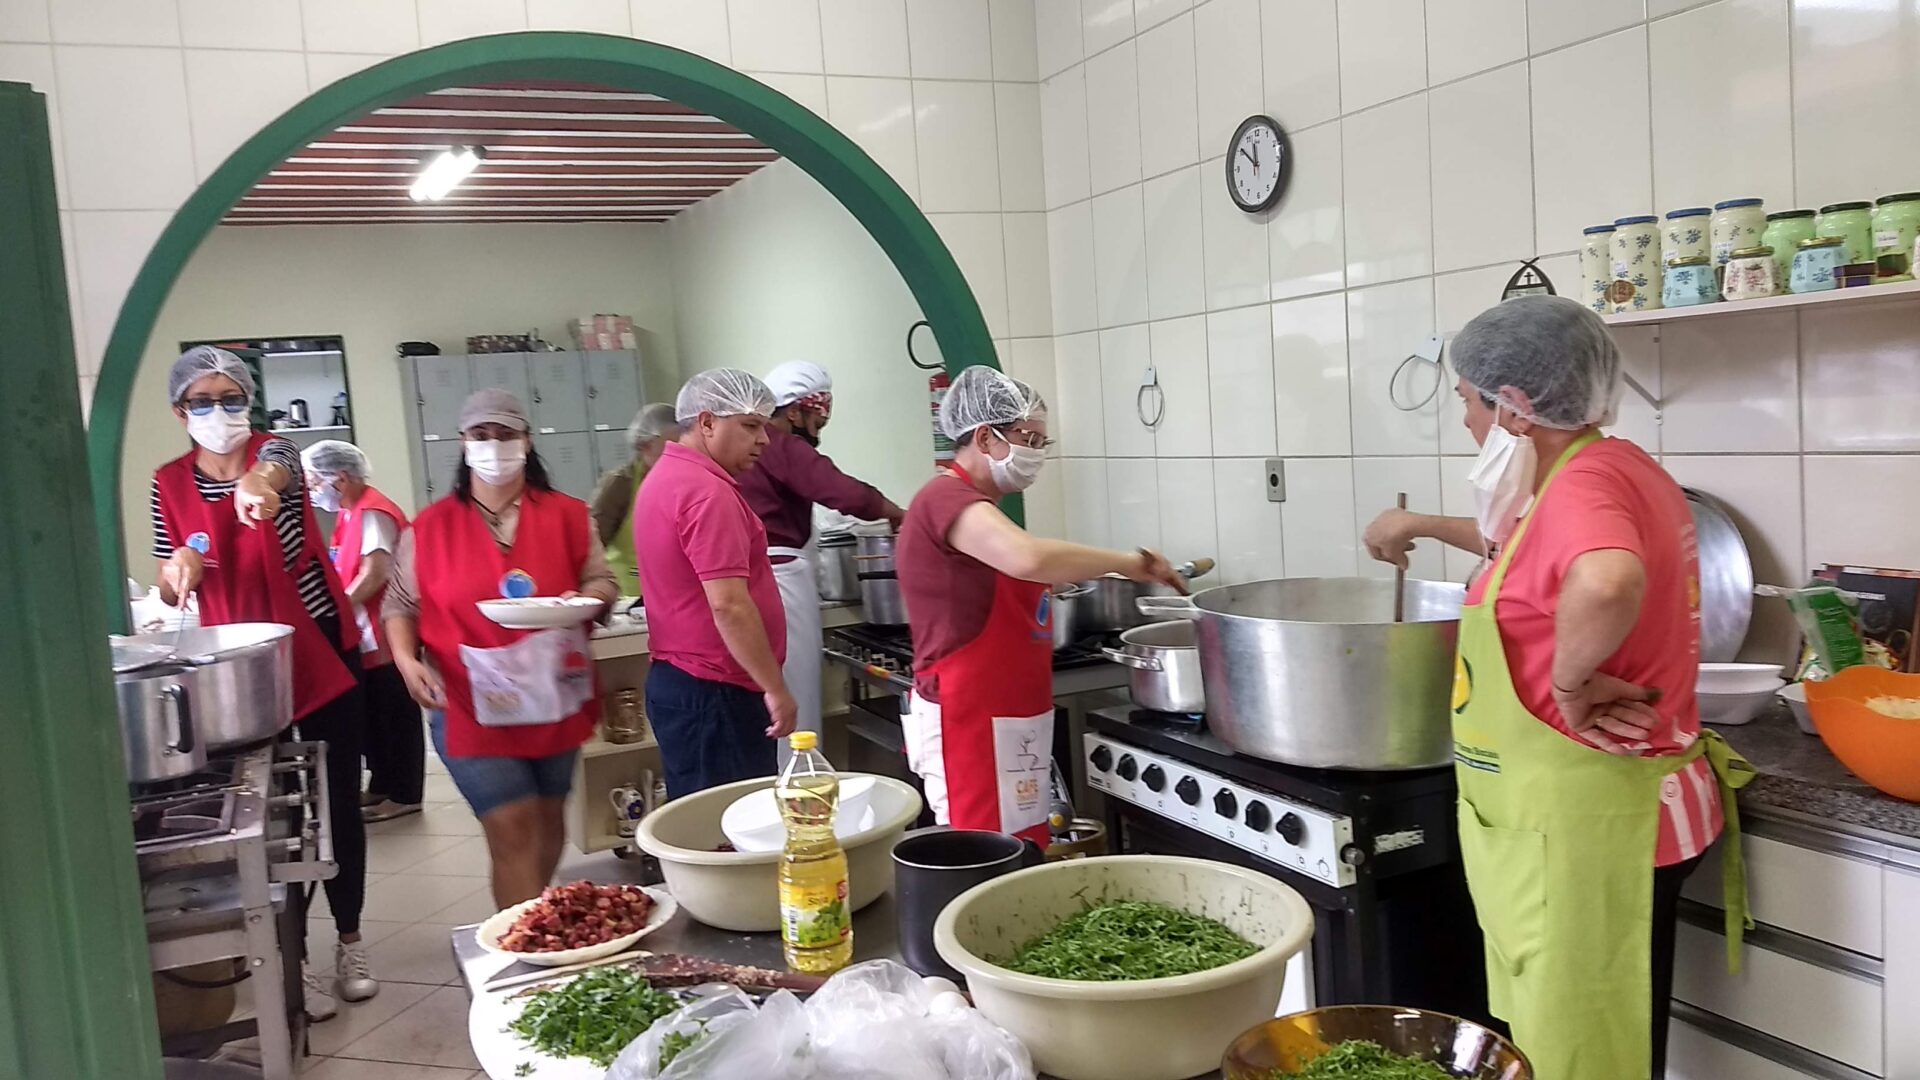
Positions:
{"x": 815, "y": 146}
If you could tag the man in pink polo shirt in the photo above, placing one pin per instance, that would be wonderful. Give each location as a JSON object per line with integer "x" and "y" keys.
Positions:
{"x": 715, "y": 696}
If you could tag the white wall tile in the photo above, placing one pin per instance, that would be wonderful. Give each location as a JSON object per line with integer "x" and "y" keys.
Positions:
{"x": 1389, "y": 202}
{"x": 25, "y": 21}
{"x": 1384, "y": 325}
{"x": 115, "y": 22}
{"x": 698, "y": 26}
{"x": 1169, "y": 104}
{"x": 1722, "y": 113}
{"x": 33, "y": 65}
{"x": 775, "y": 35}
{"x": 325, "y": 69}
{"x": 1306, "y": 238}
{"x": 1861, "y": 388}
{"x": 1248, "y": 525}
{"x": 1045, "y": 503}
{"x": 1029, "y": 292}
{"x": 452, "y": 20}
{"x": 1230, "y": 77}
{"x": 1014, "y": 55}
{"x": 1076, "y": 307}
{"x": 1133, "y": 503}
{"x": 232, "y": 94}
{"x": 864, "y": 37}
{"x": 1310, "y": 377}
{"x": 807, "y": 90}
{"x": 1125, "y": 354}
{"x": 1456, "y": 500}
{"x": 951, "y": 39}
{"x": 1031, "y": 361}
{"x": 1240, "y": 382}
{"x": 1762, "y": 494}
{"x": 1234, "y": 244}
{"x": 1854, "y": 515}
{"x": 1731, "y": 387}
{"x": 1466, "y": 36}
{"x": 959, "y": 155}
{"x": 1063, "y": 129}
{"x": 108, "y": 248}
{"x": 1640, "y": 358}
{"x": 1317, "y": 522}
{"x": 976, "y": 243}
{"x": 238, "y": 24}
{"x": 366, "y": 26}
{"x": 1376, "y": 483}
{"x": 593, "y": 16}
{"x": 1113, "y": 119}
{"x": 1176, "y": 269}
{"x": 1079, "y": 420}
{"x": 1150, "y": 13}
{"x": 1120, "y": 257}
{"x": 1085, "y": 491}
{"x": 1301, "y": 55}
{"x": 1553, "y": 23}
{"x": 1457, "y": 298}
{"x": 1383, "y": 51}
{"x": 1590, "y": 137}
{"x": 1854, "y": 82}
{"x": 1023, "y": 184}
{"x": 878, "y": 115}
{"x": 1057, "y": 41}
{"x": 1482, "y": 170}
{"x": 124, "y": 151}
{"x": 1105, "y": 23}
{"x": 1186, "y": 509}
{"x": 1180, "y": 359}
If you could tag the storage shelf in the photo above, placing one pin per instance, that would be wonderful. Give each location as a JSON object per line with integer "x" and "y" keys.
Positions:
{"x": 598, "y": 747}
{"x": 1860, "y": 297}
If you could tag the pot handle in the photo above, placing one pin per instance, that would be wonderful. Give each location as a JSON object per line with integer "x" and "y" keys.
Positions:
{"x": 1196, "y": 568}
{"x": 1133, "y": 660}
{"x": 1070, "y": 592}
{"x": 1177, "y": 607}
{"x": 870, "y": 558}
{"x": 182, "y": 717}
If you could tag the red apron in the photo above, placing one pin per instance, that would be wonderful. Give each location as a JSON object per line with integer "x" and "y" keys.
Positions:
{"x": 346, "y": 561}
{"x": 456, "y": 565}
{"x": 995, "y": 716}
{"x": 247, "y": 578}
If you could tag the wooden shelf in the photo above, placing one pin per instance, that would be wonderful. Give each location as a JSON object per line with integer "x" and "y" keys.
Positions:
{"x": 1860, "y": 297}
{"x": 598, "y": 747}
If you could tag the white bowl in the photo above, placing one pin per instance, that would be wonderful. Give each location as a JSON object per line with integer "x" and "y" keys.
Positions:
{"x": 1729, "y": 709}
{"x": 1148, "y": 1029}
{"x": 497, "y": 925}
{"x": 753, "y": 822}
{"x": 1795, "y": 695}
{"x": 1737, "y": 678}
{"x": 540, "y": 612}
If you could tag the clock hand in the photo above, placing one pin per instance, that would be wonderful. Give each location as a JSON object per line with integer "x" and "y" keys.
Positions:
{"x": 1250, "y": 157}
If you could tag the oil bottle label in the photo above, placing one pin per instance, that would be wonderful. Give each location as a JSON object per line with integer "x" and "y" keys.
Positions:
{"x": 812, "y": 917}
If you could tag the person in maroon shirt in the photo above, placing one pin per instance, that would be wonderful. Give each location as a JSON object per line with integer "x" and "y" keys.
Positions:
{"x": 782, "y": 487}
{"x": 980, "y": 726}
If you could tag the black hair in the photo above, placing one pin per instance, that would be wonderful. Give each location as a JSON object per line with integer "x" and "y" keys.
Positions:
{"x": 536, "y": 476}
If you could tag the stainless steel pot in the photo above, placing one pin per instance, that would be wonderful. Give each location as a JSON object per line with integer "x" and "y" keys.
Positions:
{"x": 1066, "y": 614}
{"x": 1315, "y": 672}
{"x": 157, "y": 733}
{"x": 880, "y": 599}
{"x": 242, "y": 685}
{"x": 834, "y": 569}
{"x": 1165, "y": 663}
{"x": 1112, "y": 601}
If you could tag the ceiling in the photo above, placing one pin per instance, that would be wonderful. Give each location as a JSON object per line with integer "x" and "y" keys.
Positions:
{"x": 554, "y": 152}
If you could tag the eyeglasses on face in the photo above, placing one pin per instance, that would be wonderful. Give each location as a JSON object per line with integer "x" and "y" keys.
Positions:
{"x": 233, "y": 404}
{"x": 1032, "y": 440}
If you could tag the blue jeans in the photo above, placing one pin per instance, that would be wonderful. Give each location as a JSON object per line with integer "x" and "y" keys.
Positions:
{"x": 710, "y": 733}
{"x": 488, "y": 783}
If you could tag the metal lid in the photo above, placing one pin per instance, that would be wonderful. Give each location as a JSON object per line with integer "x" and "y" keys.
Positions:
{"x": 1731, "y": 204}
{"x": 1691, "y": 211}
{"x": 1834, "y": 208}
{"x": 1783, "y": 215}
{"x": 1822, "y": 242}
{"x": 1591, "y": 229}
{"x": 1904, "y": 196}
{"x": 1692, "y": 260}
{"x": 1639, "y": 219}
{"x": 1752, "y": 252}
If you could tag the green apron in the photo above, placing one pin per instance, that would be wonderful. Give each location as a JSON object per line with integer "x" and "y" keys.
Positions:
{"x": 1559, "y": 839}
{"x": 620, "y": 557}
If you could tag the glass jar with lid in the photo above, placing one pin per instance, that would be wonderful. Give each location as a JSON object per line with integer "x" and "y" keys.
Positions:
{"x": 1686, "y": 233}
{"x": 1737, "y": 223}
{"x": 1596, "y": 265}
{"x": 1816, "y": 262}
{"x": 1851, "y": 222}
{"x": 1636, "y": 264}
{"x": 1750, "y": 274}
{"x": 1783, "y": 234}
{"x": 1896, "y": 220}
{"x": 1689, "y": 281}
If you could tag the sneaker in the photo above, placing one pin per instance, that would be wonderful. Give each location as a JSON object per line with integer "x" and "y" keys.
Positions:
{"x": 387, "y": 810}
{"x": 320, "y": 1004}
{"x": 368, "y": 798}
{"x": 353, "y": 975}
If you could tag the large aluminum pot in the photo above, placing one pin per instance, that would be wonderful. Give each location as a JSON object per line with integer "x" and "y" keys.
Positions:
{"x": 880, "y": 599}
{"x": 1165, "y": 663}
{"x": 1315, "y": 672}
{"x": 157, "y": 733}
{"x": 242, "y": 679}
{"x": 834, "y": 570}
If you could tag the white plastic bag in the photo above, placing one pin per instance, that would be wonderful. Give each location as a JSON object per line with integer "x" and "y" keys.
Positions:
{"x": 733, "y": 1036}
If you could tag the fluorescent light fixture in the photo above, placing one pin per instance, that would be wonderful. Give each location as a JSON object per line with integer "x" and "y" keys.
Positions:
{"x": 444, "y": 173}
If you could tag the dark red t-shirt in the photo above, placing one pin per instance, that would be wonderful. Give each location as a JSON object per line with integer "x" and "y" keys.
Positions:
{"x": 790, "y": 477}
{"x": 948, "y": 594}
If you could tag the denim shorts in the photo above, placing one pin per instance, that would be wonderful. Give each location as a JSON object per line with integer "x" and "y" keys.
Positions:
{"x": 488, "y": 783}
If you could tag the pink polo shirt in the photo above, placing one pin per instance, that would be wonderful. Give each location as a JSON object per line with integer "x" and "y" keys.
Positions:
{"x": 691, "y": 525}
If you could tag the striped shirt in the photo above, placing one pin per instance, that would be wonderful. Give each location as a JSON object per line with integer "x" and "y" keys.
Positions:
{"x": 289, "y": 523}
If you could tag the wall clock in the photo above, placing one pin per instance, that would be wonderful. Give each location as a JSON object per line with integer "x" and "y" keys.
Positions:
{"x": 1259, "y": 164}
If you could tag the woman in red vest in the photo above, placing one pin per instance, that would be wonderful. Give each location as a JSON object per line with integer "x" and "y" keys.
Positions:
{"x": 504, "y": 532}
{"x": 366, "y": 531}
{"x": 209, "y": 507}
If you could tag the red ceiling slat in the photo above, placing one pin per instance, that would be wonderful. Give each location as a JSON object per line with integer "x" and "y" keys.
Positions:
{"x": 544, "y": 104}
{"x": 452, "y": 136}
{"x": 410, "y": 121}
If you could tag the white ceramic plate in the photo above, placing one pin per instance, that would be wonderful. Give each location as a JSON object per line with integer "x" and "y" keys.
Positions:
{"x": 496, "y": 926}
{"x": 540, "y": 612}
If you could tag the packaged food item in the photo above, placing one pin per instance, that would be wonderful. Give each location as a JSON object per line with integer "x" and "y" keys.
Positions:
{"x": 816, "y": 927}
{"x": 1896, "y": 221}
{"x": 1816, "y": 264}
{"x": 1785, "y": 229}
{"x": 1851, "y": 222}
{"x": 1636, "y": 264}
{"x": 1688, "y": 282}
{"x": 1750, "y": 275}
{"x": 1829, "y": 619}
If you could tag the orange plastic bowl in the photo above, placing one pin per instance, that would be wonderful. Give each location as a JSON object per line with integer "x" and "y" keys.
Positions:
{"x": 1882, "y": 750}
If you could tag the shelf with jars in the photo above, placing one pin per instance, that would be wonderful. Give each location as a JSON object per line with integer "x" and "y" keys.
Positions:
{"x": 1861, "y": 297}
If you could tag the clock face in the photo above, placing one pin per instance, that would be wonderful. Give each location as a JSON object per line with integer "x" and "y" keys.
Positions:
{"x": 1259, "y": 163}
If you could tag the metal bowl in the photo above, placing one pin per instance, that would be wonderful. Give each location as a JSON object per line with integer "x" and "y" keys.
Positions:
{"x": 1462, "y": 1047}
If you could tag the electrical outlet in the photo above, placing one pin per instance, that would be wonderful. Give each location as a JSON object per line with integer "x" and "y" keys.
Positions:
{"x": 1276, "y": 480}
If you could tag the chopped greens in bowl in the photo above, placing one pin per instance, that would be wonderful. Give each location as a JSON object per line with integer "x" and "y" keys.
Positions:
{"x": 594, "y": 1016}
{"x": 1358, "y": 1059}
{"x": 1124, "y": 940}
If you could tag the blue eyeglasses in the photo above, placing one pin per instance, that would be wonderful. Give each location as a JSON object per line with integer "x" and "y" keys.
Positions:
{"x": 233, "y": 404}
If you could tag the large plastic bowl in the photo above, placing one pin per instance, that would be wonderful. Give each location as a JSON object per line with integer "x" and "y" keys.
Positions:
{"x": 1737, "y": 678}
{"x": 1462, "y": 1047}
{"x": 1729, "y": 709}
{"x": 1882, "y": 750}
{"x": 739, "y": 890}
{"x": 1150, "y": 1029}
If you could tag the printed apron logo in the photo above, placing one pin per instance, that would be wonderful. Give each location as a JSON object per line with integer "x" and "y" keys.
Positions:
{"x": 516, "y": 584}
{"x": 203, "y": 544}
{"x": 1462, "y": 684}
{"x": 1043, "y": 617}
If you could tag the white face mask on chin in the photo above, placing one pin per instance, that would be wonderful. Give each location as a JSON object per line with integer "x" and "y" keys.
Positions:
{"x": 1019, "y": 469}
{"x": 1502, "y": 479}
{"x": 219, "y": 431}
{"x": 327, "y": 497}
{"x": 496, "y": 461}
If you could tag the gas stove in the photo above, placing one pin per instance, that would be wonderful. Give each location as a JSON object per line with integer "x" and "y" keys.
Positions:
{"x": 883, "y": 655}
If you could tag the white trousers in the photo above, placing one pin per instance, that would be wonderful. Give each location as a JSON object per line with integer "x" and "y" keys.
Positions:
{"x": 926, "y": 751}
{"x": 800, "y": 596}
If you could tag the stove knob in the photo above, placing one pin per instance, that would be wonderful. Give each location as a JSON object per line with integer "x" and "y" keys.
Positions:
{"x": 1290, "y": 828}
{"x": 1102, "y": 758}
{"x": 1128, "y": 768}
{"x": 1189, "y": 790}
{"x": 1259, "y": 818}
{"x": 1154, "y": 777}
{"x": 1225, "y": 804}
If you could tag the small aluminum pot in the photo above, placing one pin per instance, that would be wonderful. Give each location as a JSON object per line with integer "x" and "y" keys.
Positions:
{"x": 1165, "y": 662}
{"x": 880, "y": 599}
{"x": 835, "y": 571}
{"x": 1066, "y": 614}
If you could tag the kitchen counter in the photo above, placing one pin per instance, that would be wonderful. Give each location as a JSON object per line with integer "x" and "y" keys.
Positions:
{"x": 1800, "y": 782}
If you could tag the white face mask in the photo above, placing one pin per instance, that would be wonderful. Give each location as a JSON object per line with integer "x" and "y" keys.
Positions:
{"x": 1019, "y": 469}
{"x": 497, "y": 461}
{"x": 1502, "y": 479}
{"x": 219, "y": 431}
{"x": 327, "y": 497}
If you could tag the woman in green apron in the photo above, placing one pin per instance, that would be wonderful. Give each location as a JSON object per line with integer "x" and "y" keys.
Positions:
{"x": 652, "y": 429}
{"x": 1588, "y": 790}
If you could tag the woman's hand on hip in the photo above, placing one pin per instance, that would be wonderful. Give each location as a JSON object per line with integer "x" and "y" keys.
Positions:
{"x": 423, "y": 683}
{"x": 1613, "y": 714}
{"x": 255, "y": 500}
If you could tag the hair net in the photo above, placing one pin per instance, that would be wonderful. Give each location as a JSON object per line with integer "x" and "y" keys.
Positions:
{"x": 722, "y": 392}
{"x": 981, "y": 395}
{"x": 653, "y": 421}
{"x": 201, "y": 361}
{"x": 797, "y": 379}
{"x": 1553, "y": 350}
{"x": 332, "y": 457}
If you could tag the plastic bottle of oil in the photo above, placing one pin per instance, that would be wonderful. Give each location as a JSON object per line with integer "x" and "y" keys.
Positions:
{"x": 816, "y": 929}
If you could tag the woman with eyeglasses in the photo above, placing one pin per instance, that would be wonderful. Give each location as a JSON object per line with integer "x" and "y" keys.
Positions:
{"x": 979, "y": 727}
{"x": 231, "y": 525}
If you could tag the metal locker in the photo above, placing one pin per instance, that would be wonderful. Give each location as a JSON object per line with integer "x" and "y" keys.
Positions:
{"x": 610, "y": 451}
{"x": 444, "y": 383}
{"x": 508, "y": 371}
{"x": 569, "y": 461}
{"x": 613, "y": 389}
{"x": 559, "y": 400}
{"x": 442, "y": 460}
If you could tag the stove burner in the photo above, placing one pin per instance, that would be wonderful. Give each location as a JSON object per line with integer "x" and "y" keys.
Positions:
{"x": 188, "y": 807}
{"x": 891, "y": 647}
{"x": 1181, "y": 721}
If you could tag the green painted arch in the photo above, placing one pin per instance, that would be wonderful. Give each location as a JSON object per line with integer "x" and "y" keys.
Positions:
{"x": 817, "y": 147}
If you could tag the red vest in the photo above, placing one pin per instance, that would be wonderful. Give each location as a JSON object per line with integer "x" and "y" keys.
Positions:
{"x": 247, "y": 578}
{"x": 456, "y": 565}
{"x": 346, "y": 561}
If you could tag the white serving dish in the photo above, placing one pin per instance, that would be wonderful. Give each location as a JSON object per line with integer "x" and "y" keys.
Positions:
{"x": 1729, "y": 709}
{"x": 753, "y": 822}
{"x": 1795, "y": 695}
{"x": 491, "y": 931}
{"x": 1145, "y": 1030}
{"x": 540, "y": 612}
{"x": 1737, "y": 678}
